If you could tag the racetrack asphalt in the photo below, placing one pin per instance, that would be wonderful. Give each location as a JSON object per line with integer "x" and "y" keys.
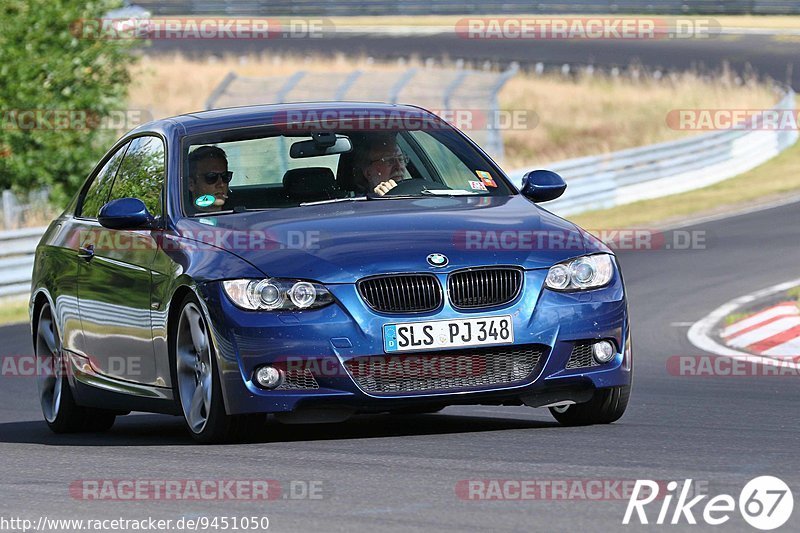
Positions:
{"x": 399, "y": 473}
{"x": 763, "y": 54}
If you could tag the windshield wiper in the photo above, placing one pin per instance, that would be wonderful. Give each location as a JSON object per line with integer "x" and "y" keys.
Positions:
{"x": 448, "y": 192}
{"x": 335, "y": 201}
{"x": 395, "y": 197}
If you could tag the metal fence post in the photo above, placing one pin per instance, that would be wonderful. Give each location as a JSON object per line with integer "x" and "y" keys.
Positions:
{"x": 450, "y": 89}
{"x": 493, "y": 134}
{"x": 290, "y": 84}
{"x": 280, "y": 98}
{"x": 212, "y": 99}
{"x": 394, "y": 93}
{"x": 10, "y": 214}
{"x": 344, "y": 87}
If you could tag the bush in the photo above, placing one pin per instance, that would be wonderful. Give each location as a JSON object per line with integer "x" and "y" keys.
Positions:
{"x": 57, "y": 85}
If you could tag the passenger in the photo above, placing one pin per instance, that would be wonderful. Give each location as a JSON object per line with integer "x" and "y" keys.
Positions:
{"x": 209, "y": 177}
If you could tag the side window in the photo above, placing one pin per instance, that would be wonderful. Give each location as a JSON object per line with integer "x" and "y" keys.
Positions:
{"x": 97, "y": 195}
{"x": 449, "y": 166}
{"x": 141, "y": 174}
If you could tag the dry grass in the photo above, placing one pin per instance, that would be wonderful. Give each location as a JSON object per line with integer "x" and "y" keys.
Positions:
{"x": 173, "y": 85}
{"x": 596, "y": 115}
{"x": 587, "y": 115}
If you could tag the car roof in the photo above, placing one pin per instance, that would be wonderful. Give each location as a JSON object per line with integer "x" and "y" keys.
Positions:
{"x": 272, "y": 114}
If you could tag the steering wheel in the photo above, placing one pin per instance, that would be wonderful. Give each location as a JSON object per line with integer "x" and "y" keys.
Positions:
{"x": 412, "y": 186}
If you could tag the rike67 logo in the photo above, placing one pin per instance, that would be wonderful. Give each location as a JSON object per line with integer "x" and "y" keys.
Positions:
{"x": 765, "y": 503}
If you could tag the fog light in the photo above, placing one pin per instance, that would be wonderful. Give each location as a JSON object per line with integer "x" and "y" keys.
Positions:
{"x": 269, "y": 377}
{"x": 603, "y": 351}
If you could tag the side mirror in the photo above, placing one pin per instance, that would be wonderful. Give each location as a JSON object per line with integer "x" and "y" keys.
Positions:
{"x": 542, "y": 185}
{"x": 125, "y": 213}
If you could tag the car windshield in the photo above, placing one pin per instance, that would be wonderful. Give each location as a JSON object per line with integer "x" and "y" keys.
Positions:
{"x": 242, "y": 170}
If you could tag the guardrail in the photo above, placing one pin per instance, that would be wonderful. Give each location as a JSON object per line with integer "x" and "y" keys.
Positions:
{"x": 618, "y": 178}
{"x": 18, "y": 210}
{"x": 16, "y": 259}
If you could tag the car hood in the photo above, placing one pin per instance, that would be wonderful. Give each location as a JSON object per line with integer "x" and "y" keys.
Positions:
{"x": 344, "y": 242}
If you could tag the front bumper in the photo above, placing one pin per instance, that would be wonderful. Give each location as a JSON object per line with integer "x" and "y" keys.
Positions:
{"x": 327, "y": 338}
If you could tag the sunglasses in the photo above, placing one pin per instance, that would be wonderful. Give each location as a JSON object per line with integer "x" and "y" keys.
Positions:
{"x": 212, "y": 177}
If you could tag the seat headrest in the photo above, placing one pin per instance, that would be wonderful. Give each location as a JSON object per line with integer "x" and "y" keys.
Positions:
{"x": 310, "y": 184}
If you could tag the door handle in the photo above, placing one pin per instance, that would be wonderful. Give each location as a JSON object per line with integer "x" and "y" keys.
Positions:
{"x": 86, "y": 252}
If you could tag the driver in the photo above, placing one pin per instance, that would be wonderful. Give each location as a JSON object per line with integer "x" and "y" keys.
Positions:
{"x": 209, "y": 178}
{"x": 382, "y": 164}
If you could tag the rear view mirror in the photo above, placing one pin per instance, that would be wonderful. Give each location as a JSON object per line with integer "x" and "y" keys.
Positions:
{"x": 542, "y": 185}
{"x": 321, "y": 144}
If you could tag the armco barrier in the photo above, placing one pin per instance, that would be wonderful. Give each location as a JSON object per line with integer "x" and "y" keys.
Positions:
{"x": 16, "y": 260}
{"x": 627, "y": 176}
{"x": 593, "y": 182}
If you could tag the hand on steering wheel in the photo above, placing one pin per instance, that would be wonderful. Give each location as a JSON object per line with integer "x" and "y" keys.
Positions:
{"x": 385, "y": 187}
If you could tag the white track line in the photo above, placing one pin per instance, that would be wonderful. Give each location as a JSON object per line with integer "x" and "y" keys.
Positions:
{"x": 700, "y": 332}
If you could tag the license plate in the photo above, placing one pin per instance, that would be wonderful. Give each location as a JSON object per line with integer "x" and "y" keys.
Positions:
{"x": 413, "y": 336}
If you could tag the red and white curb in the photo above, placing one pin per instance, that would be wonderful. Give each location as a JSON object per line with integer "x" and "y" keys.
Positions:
{"x": 770, "y": 336}
{"x": 773, "y": 331}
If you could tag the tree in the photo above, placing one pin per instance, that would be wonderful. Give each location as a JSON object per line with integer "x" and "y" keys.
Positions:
{"x": 57, "y": 84}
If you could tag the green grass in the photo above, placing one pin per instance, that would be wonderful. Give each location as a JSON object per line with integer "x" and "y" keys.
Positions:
{"x": 735, "y": 317}
{"x": 794, "y": 294}
{"x": 13, "y": 311}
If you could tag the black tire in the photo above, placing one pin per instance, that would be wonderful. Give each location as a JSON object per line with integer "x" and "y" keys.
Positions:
{"x": 68, "y": 416}
{"x": 100, "y": 422}
{"x": 606, "y": 406}
{"x": 219, "y": 427}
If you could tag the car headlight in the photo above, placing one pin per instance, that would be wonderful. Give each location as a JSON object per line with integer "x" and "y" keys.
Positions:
{"x": 588, "y": 272}
{"x": 275, "y": 294}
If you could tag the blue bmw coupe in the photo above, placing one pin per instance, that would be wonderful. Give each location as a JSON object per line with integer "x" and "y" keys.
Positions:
{"x": 314, "y": 261}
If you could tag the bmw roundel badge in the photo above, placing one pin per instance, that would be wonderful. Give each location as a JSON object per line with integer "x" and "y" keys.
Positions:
{"x": 438, "y": 260}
